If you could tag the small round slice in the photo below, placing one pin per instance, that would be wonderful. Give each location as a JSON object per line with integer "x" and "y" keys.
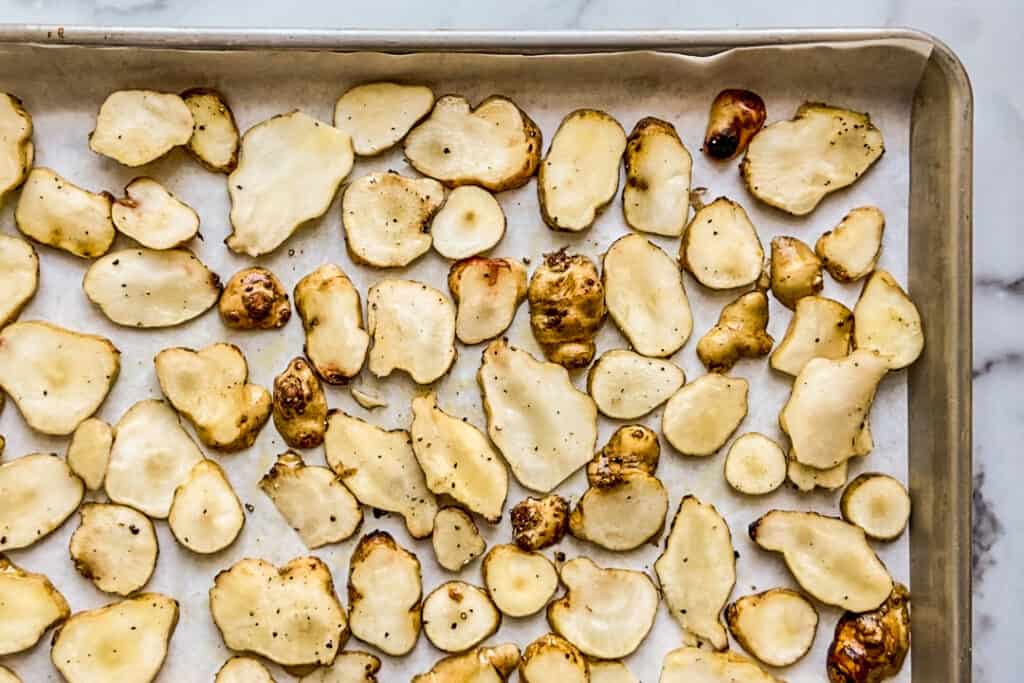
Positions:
{"x": 721, "y": 248}
{"x": 878, "y": 504}
{"x": 701, "y": 416}
{"x": 457, "y": 616}
{"x": 387, "y": 218}
{"x": 851, "y": 249}
{"x": 520, "y": 583}
{"x": 153, "y": 217}
{"x": 243, "y": 670}
{"x": 39, "y": 491}
{"x": 470, "y": 223}
{"x": 206, "y": 515}
{"x": 214, "y": 141}
{"x": 456, "y": 539}
{"x": 552, "y": 658}
{"x": 19, "y": 276}
{"x": 115, "y": 547}
{"x": 755, "y": 465}
{"x": 626, "y": 385}
{"x": 149, "y": 288}
{"x": 776, "y": 626}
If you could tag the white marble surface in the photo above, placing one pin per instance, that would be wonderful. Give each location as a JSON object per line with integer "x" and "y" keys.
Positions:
{"x": 985, "y": 33}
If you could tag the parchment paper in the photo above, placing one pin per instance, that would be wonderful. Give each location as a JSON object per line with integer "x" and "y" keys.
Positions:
{"x": 63, "y": 88}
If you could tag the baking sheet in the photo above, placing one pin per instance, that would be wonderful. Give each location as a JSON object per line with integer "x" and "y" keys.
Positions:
{"x": 63, "y": 88}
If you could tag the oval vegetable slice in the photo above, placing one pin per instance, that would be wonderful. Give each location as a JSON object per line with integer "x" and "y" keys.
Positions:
{"x": 755, "y": 465}
{"x": 19, "y": 277}
{"x": 380, "y": 469}
{"x": 148, "y": 288}
{"x": 29, "y": 605}
{"x": 89, "y": 451}
{"x": 206, "y": 515}
{"x": 487, "y": 292}
{"x": 413, "y": 329}
{"x": 484, "y": 665}
{"x": 697, "y": 571}
{"x": 888, "y": 322}
{"x": 124, "y": 641}
{"x": 115, "y": 547}
{"x": 349, "y": 667}
{"x": 645, "y": 296}
{"x": 690, "y": 664}
{"x": 656, "y": 198}
{"x": 57, "y": 377}
{"x": 606, "y": 613}
{"x": 243, "y": 670}
{"x": 378, "y": 115}
{"x": 39, "y": 491}
{"x": 153, "y": 217}
{"x": 290, "y": 615}
{"x": 470, "y": 223}
{"x": 828, "y": 557}
{"x": 312, "y": 500}
{"x": 739, "y": 333}
{"x": 385, "y": 588}
{"x": 819, "y": 328}
{"x": 457, "y": 616}
{"x": 878, "y": 504}
{"x": 136, "y": 127}
{"x": 210, "y": 388}
{"x": 456, "y": 539}
{"x": 496, "y": 145}
{"x": 520, "y": 583}
{"x": 332, "y": 317}
{"x": 792, "y": 165}
{"x": 289, "y": 169}
{"x": 553, "y": 658}
{"x": 60, "y": 214}
{"x": 776, "y": 626}
{"x": 152, "y": 454}
{"x": 580, "y": 173}
{"x": 16, "y": 149}
{"x": 387, "y": 218}
{"x": 626, "y": 385}
{"x": 457, "y": 459}
{"x": 214, "y": 140}
{"x": 720, "y": 247}
{"x": 851, "y": 249}
{"x": 701, "y": 416}
{"x": 524, "y": 398}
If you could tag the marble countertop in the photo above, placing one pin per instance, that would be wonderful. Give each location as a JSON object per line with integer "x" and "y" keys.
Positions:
{"x": 983, "y": 34}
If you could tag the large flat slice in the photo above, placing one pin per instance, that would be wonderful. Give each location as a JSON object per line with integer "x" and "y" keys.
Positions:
{"x": 385, "y": 590}
{"x": 888, "y": 322}
{"x": 487, "y": 292}
{"x": 496, "y": 145}
{"x": 387, "y": 218}
{"x": 656, "y": 198}
{"x": 792, "y": 165}
{"x": 721, "y": 248}
{"x": 626, "y": 385}
{"x": 413, "y": 329}
{"x": 29, "y": 605}
{"x": 332, "y": 316}
{"x": 57, "y": 377}
{"x": 115, "y": 547}
{"x": 645, "y": 296}
{"x": 542, "y": 424}
{"x": 380, "y": 469}
{"x": 696, "y": 665}
{"x": 378, "y": 115}
{"x": 19, "y": 277}
{"x": 289, "y": 169}
{"x": 206, "y": 515}
{"x": 16, "y": 150}
{"x": 149, "y": 288}
{"x": 819, "y": 328}
{"x": 58, "y": 213}
{"x": 701, "y": 416}
{"x": 136, "y": 127}
{"x": 154, "y": 217}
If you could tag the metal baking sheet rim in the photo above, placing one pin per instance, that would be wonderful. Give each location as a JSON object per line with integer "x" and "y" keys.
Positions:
{"x": 940, "y": 215}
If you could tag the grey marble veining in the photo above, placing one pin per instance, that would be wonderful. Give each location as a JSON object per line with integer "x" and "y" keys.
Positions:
{"x": 985, "y": 34}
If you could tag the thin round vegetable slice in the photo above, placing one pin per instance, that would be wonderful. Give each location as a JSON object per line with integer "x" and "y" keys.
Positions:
{"x": 206, "y": 515}
{"x": 29, "y": 605}
{"x": 456, "y": 539}
{"x": 776, "y": 626}
{"x": 153, "y": 217}
{"x": 16, "y": 149}
{"x": 553, "y": 658}
{"x": 56, "y": 212}
{"x": 888, "y": 322}
{"x": 378, "y": 115}
{"x": 610, "y": 672}
{"x": 349, "y": 667}
{"x": 89, "y": 452}
{"x": 332, "y": 317}
{"x": 520, "y": 583}
{"x": 243, "y": 670}
{"x": 656, "y": 198}
{"x": 148, "y": 288}
{"x": 487, "y": 292}
{"x": 385, "y": 588}
{"x": 819, "y": 328}
{"x": 470, "y": 223}
{"x": 413, "y": 329}
{"x": 755, "y": 465}
{"x": 701, "y": 416}
{"x": 626, "y": 385}
{"x": 484, "y": 664}
{"x": 123, "y": 641}
{"x": 136, "y": 127}
{"x": 690, "y": 664}
{"x": 39, "y": 491}
{"x": 115, "y": 547}
{"x": 19, "y": 276}
{"x": 214, "y": 141}
{"x": 878, "y": 504}
{"x": 851, "y": 249}
{"x": 457, "y": 616}
{"x": 720, "y": 247}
